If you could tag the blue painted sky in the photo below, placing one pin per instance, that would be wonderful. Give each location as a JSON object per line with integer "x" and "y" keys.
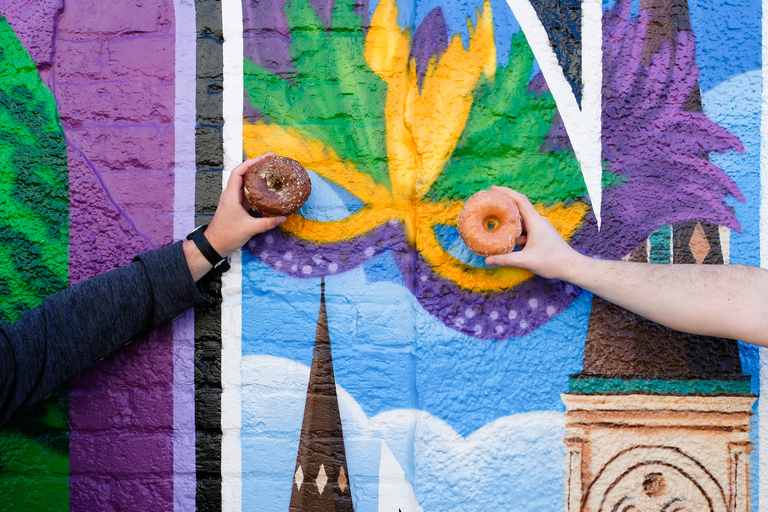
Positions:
{"x": 389, "y": 353}
{"x": 728, "y": 40}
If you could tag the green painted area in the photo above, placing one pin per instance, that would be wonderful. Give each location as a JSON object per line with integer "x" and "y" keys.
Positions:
{"x": 588, "y": 386}
{"x": 34, "y": 252}
{"x": 34, "y": 453}
{"x": 333, "y": 96}
{"x": 502, "y": 140}
{"x": 34, "y": 192}
{"x": 661, "y": 245}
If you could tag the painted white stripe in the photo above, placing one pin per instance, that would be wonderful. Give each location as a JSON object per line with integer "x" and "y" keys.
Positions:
{"x": 231, "y": 289}
{"x": 184, "y": 483}
{"x": 762, "y": 404}
{"x": 583, "y": 125}
{"x": 591, "y": 157}
{"x": 725, "y": 244}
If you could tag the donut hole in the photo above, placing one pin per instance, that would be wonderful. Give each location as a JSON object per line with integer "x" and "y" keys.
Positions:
{"x": 275, "y": 183}
{"x": 491, "y": 223}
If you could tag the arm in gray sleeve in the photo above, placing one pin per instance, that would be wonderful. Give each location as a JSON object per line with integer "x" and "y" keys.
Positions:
{"x": 73, "y": 329}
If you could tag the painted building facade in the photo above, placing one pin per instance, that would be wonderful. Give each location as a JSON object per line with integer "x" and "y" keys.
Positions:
{"x": 359, "y": 357}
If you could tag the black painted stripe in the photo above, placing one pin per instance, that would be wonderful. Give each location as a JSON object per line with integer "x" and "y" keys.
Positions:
{"x": 209, "y": 157}
{"x": 562, "y": 21}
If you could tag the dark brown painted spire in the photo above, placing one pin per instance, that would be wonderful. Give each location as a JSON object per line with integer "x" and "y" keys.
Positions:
{"x": 321, "y": 477}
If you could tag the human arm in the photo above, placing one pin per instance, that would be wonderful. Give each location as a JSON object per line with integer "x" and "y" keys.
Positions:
{"x": 715, "y": 300}
{"x": 81, "y": 325}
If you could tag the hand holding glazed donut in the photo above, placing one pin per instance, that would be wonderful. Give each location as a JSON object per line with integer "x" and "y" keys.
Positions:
{"x": 232, "y": 226}
{"x": 276, "y": 185}
{"x": 544, "y": 252}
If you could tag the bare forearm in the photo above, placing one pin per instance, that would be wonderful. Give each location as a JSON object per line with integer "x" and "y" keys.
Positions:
{"x": 717, "y": 300}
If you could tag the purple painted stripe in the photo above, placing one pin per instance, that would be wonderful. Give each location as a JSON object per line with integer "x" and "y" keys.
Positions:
{"x": 33, "y": 21}
{"x": 184, "y": 477}
{"x": 112, "y": 73}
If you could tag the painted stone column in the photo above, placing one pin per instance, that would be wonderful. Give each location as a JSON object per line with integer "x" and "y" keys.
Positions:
{"x": 656, "y": 452}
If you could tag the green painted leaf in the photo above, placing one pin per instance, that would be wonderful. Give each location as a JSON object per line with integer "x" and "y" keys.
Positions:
{"x": 34, "y": 191}
{"x": 333, "y": 96}
{"x": 500, "y": 143}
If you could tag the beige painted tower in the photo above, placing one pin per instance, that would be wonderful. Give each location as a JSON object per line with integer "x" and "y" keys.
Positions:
{"x": 642, "y": 452}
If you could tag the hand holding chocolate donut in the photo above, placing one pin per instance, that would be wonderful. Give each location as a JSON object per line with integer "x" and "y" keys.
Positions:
{"x": 276, "y": 185}
{"x": 231, "y": 226}
{"x": 490, "y": 223}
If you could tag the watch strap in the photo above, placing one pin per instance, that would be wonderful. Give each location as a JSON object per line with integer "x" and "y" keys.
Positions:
{"x": 214, "y": 258}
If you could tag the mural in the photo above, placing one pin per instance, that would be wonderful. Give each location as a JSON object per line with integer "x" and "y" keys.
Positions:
{"x": 359, "y": 357}
{"x": 407, "y": 182}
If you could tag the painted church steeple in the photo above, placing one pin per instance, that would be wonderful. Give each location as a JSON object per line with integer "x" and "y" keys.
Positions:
{"x": 321, "y": 477}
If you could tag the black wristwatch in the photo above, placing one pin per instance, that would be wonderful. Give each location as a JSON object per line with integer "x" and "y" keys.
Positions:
{"x": 220, "y": 264}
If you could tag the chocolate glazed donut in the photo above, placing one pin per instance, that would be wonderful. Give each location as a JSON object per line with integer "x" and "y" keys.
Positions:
{"x": 490, "y": 223}
{"x": 276, "y": 186}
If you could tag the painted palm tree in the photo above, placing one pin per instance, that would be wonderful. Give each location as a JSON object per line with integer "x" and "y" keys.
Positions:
{"x": 34, "y": 229}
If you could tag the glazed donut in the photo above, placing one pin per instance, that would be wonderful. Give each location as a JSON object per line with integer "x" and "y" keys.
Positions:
{"x": 276, "y": 185}
{"x": 490, "y": 223}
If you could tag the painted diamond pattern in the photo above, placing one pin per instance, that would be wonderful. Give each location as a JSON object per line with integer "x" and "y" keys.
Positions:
{"x": 322, "y": 479}
{"x": 298, "y": 477}
{"x": 342, "y": 480}
{"x": 699, "y": 244}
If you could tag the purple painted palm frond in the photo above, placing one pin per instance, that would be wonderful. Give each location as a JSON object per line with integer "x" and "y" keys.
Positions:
{"x": 659, "y": 150}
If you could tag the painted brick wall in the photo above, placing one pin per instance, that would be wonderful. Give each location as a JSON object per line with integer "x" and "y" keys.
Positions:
{"x": 360, "y": 357}
{"x": 111, "y": 70}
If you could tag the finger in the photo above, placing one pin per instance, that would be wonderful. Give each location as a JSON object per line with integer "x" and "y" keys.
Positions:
{"x": 503, "y": 260}
{"x": 235, "y": 177}
{"x": 527, "y": 210}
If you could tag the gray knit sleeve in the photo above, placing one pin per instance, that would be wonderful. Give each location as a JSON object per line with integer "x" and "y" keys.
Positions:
{"x": 81, "y": 325}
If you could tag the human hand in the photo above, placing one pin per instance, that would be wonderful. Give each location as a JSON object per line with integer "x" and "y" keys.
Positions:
{"x": 232, "y": 226}
{"x": 544, "y": 252}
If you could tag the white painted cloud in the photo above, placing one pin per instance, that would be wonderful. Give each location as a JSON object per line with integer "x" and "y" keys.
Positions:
{"x": 395, "y": 492}
{"x": 513, "y": 463}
